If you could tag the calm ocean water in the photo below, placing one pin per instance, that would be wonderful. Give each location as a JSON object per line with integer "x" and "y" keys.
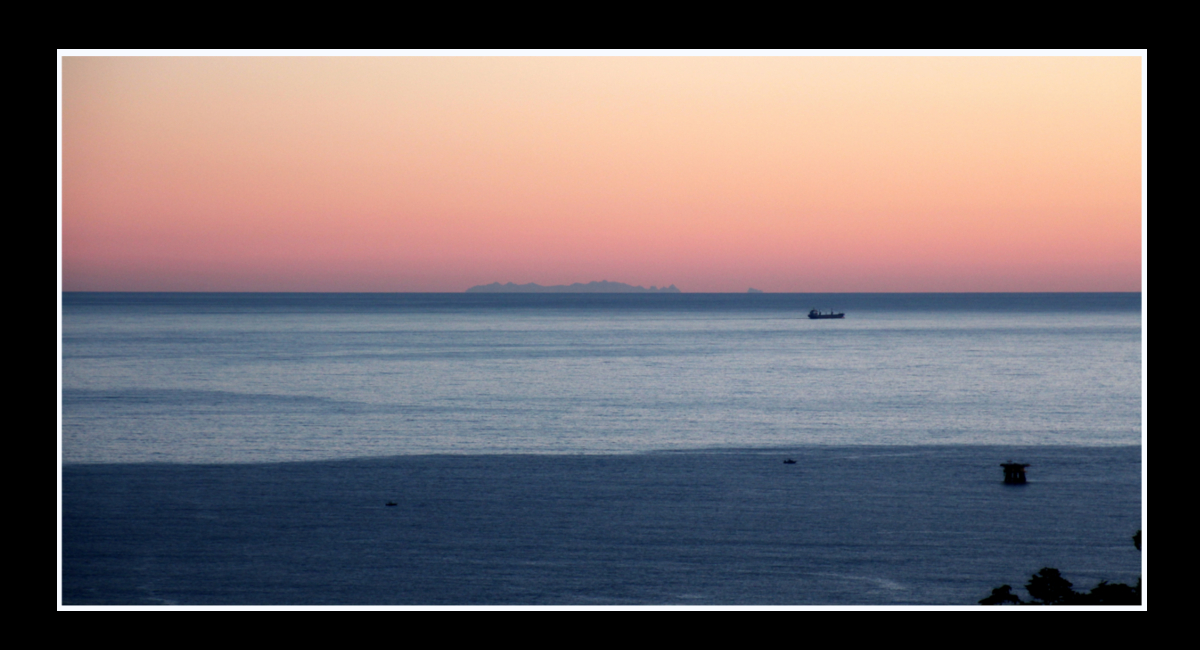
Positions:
{"x": 216, "y": 378}
{"x": 594, "y": 449}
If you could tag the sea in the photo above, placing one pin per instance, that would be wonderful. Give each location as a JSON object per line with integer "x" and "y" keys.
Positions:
{"x": 595, "y": 449}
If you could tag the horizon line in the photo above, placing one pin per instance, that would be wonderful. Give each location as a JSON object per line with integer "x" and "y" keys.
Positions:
{"x": 593, "y": 293}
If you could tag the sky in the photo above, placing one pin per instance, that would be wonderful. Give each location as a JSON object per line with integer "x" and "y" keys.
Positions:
{"x": 712, "y": 173}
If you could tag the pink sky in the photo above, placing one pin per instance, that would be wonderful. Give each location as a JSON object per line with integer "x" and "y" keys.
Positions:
{"x": 714, "y": 174}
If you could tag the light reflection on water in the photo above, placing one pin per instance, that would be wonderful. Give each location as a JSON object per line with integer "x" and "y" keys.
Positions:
{"x": 232, "y": 379}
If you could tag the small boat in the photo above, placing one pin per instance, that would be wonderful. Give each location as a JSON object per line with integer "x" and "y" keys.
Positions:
{"x": 817, "y": 314}
{"x": 390, "y": 503}
{"x": 789, "y": 462}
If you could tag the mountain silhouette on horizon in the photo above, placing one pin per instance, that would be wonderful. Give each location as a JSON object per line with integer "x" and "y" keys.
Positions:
{"x": 603, "y": 286}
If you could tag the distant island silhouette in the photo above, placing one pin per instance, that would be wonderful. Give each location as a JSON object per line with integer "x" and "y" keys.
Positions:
{"x": 604, "y": 286}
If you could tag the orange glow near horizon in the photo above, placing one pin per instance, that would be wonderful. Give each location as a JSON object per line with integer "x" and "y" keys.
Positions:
{"x": 792, "y": 174}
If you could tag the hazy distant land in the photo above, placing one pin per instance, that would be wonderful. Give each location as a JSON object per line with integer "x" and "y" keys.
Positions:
{"x": 604, "y": 286}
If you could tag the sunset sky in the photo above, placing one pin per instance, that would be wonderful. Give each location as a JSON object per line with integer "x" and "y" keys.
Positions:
{"x": 436, "y": 173}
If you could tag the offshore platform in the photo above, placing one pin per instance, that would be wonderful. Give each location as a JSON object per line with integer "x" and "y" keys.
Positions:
{"x": 1014, "y": 473}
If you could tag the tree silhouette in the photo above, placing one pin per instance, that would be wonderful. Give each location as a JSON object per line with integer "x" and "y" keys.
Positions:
{"x": 1000, "y": 596}
{"x": 1048, "y": 587}
{"x": 1117, "y": 593}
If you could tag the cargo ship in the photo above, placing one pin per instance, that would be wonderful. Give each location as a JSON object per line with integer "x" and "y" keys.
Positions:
{"x": 816, "y": 314}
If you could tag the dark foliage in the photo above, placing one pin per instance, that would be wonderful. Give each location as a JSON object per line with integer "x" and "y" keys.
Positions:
{"x": 1048, "y": 587}
{"x": 1117, "y": 593}
{"x": 1001, "y": 595}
